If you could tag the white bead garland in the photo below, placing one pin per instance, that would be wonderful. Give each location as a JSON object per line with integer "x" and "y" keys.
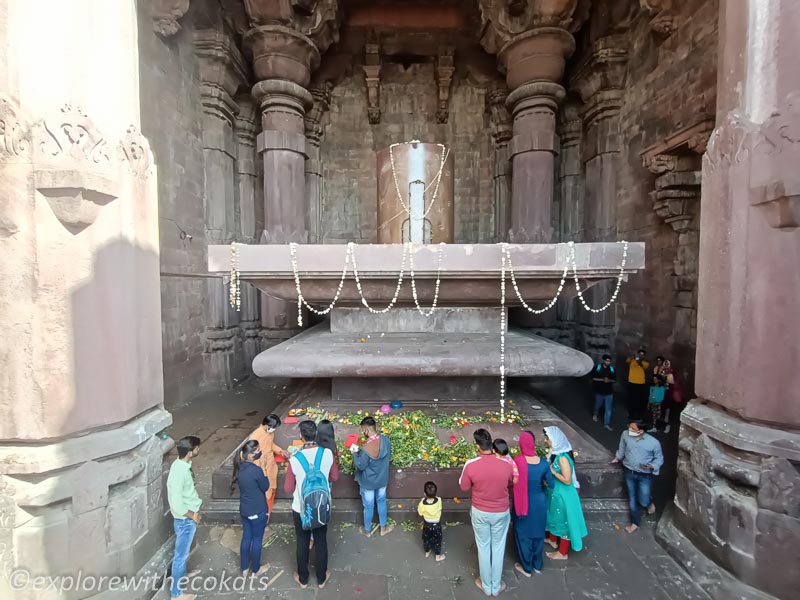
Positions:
{"x": 503, "y": 259}
{"x": 427, "y": 313}
{"x": 235, "y": 287}
{"x": 536, "y": 311}
{"x": 437, "y": 179}
{"x": 619, "y": 278}
{"x": 393, "y": 301}
{"x": 301, "y": 301}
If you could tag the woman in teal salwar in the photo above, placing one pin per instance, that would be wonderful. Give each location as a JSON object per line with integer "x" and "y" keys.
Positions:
{"x": 564, "y": 515}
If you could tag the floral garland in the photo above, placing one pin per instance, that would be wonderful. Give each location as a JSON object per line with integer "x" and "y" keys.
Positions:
{"x": 438, "y": 177}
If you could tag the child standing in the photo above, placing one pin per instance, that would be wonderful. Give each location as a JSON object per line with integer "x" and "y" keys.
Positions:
{"x": 500, "y": 448}
{"x": 430, "y": 509}
{"x": 657, "y": 391}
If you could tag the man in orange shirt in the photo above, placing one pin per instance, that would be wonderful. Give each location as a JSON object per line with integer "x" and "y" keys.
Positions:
{"x": 637, "y": 386}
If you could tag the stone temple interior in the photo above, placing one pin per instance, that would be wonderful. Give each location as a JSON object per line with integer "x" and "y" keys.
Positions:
{"x": 138, "y": 135}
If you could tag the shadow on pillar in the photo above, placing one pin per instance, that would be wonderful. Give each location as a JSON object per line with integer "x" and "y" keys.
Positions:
{"x": 87, "y": 494}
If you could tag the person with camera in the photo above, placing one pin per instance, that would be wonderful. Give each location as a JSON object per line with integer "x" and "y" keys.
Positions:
{"x": 638, "y": 390}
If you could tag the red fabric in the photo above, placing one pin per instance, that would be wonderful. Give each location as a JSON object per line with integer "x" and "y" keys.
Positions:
{"x": 488, "y": 478}
{"x": 563, "y": 547}
{"x": 527, "y": 446}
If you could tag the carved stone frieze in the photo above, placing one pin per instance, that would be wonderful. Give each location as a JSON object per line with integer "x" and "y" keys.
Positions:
{"x": 663, "y": 20}
{"x": 222, "y": 72}
{"x": 14, "y": 137}
{"x": 166, "y": 15}
{"x": 445, "y": 67}
{"x": 372, "y": 73}
{"x": 600, "y": 77}
{"x": 135, "y": 150}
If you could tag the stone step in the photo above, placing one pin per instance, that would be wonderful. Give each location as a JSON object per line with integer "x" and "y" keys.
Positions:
{"x": 226, "y": 511}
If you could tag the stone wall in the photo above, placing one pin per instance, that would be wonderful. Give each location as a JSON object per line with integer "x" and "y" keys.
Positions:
{"x": 670, "y": 85}
{"x": 171, "y": 120}
{"x": 408, "y": 107}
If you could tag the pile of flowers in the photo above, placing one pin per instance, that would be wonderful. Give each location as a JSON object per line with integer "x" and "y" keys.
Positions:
{"x": 413, "y": 435}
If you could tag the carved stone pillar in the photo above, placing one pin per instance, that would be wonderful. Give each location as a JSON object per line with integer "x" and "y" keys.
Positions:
{"x": 245, "y": 128}
{"x": 221, "y": 73}
{"x": 571, "y": 198}
{"x": 676, "y": 199}
{"x": 599, "y": 79}
{"x": 81, "y": 394}
{"x": 315, "y": 131}
{"x": 285, "y": 44}
{"x": 532, "y": 46}
{"x": 736, "y": 518}
{"x": 500, "y": 123}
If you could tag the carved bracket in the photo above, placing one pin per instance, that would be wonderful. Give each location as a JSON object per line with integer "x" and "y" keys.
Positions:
{"x": 445, "y": 67}
{"x": 313, "y": 119}
{"x": 499, "y": 117}
{"x": 663, "y": 21}
{"x": 166, "y": 14}
{"x": 372, "y": 72}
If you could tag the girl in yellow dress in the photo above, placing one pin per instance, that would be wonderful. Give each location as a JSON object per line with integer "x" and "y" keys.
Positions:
{"x": 265, "y": 436}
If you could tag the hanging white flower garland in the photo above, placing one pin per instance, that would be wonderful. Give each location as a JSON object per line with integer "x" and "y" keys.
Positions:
{"x": 408, "y": 252}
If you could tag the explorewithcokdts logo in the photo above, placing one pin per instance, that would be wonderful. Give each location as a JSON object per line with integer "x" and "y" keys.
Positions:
{"x": 25, "y": 580}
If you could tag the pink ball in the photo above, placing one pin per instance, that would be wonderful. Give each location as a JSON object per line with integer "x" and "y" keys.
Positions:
{"x": 386, "y": 409}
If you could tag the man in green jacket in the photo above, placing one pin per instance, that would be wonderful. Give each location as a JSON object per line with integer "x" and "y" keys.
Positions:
{"x": 184, "y": 502}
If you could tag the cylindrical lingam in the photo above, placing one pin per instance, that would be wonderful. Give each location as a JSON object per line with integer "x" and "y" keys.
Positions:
{"x": 416, "y": 169}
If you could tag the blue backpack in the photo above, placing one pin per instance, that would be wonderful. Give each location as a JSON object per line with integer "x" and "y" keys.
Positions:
{"x": 611, "y": 368}
{"x": 316, "y": 493}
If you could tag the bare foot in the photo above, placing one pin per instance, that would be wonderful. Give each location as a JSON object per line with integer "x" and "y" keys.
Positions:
{"x": 502, "y": 588}
{"x": 367, "y": 533}
{"x": 297, "y": 581}
{"x": 387, "y": 530}
{"x": 246, "y": 572}
{"x": 185, "y": 597}
{"x": 553, "y": 543}
{"x": 427, "y": 554}
{"x": 519, "y": 568}
{"x": 440, "y": 557}
{"x": 631, "y": 528}
{"x": 555, "y": 555}
{"x": 479, "y": 585}
{"x": 194, "y": 573}
{"x": 327, "y": 578}
{"x": 651, "y": 509}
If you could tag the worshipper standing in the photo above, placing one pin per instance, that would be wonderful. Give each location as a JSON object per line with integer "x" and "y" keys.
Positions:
{"x": 603, "y": 378}
{"x": 430, "y": 509}
{"x": 530, "y": 505}
{"x": 637, "y": 385}
{"x": 488, "y": 478}
{"x": 565, "y": 520}
{"x": 265, "y": 436}
{"x": 372, "y": 474}
{"x": 642, "y": 459}
{"x": 675, "y": 399}
{"x": 655, "y": 402}
{"x": 253, "y": 485}
{"x": 184, "y": 504}
{"x": 312, "y": 454}
{"x": 326, "y": 438}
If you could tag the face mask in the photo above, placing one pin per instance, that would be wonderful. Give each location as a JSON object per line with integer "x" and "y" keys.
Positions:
{"x": 257, "y": 456}
{"x": 634, "y": 433}
{"x": 271, "y": 430}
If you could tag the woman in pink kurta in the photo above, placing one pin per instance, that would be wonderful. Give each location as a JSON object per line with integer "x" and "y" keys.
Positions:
{"x": 265, "y": 436}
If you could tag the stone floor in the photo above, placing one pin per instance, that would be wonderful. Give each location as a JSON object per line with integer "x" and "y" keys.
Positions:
{"x": 612, "y": 565}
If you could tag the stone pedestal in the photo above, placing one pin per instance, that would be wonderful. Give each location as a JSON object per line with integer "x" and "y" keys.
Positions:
{"x": 82, "y": 392}
{"x": 736, "y": 517}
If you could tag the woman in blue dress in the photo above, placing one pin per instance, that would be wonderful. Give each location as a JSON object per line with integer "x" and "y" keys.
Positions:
{"x": 565, "y": 520}
{"x": 530, "y": 505}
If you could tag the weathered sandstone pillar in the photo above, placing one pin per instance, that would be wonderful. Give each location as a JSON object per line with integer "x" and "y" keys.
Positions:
{"x": 599, "y": 79}
{"x": 81, "y": 395}
{"x": 500, "y": 123}
{"x": 736, "y": 519}
{"x": 222, "y": 71}
{"x": 315, "y": 131}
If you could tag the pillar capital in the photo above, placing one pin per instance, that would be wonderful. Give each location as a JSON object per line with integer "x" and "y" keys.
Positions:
{"x": 536, "y": 55}
{"x": 504, "y": 21}
{"x": 321, "y": 96}
{"x": 280, "y": 52}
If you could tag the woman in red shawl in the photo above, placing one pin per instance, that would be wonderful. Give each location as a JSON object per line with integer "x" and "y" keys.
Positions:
{"x": 530, "y": 505}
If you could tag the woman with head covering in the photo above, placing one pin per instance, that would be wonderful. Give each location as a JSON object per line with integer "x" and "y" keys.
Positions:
{"x": 565, "y": 520}
{"x": 530, "y": 505}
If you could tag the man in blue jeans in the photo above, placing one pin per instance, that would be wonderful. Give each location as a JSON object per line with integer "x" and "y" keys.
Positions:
{"x": 603, "y": 378}
{"x": 488, "y": 478}
{"x": 184, "y": 502}
{"x": 372, "y": 474}
{"x": 642, "y": 459}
